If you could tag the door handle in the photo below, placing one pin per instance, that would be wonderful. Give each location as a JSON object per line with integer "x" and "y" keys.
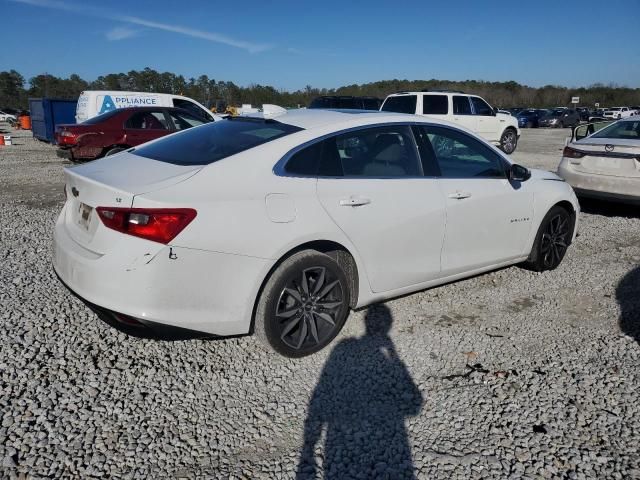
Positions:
{"x": 354, "y": 202}
{"x": 459, "y": 195}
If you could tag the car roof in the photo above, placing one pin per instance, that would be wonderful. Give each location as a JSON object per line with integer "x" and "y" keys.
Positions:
{"x": 310, "y": 119}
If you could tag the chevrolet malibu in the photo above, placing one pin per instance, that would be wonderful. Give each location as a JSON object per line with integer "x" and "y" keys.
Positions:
{"x": 281, "y": 225}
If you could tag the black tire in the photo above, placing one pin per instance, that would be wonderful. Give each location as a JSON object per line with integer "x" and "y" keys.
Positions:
{"x": 529, "y": 125}
{"x": 295, "y": 319}
{"x": 561, "y": 125}
{"x": 552, "y": 240}
{"x": 509, "y": 141}
{"x": 114, "y": 150}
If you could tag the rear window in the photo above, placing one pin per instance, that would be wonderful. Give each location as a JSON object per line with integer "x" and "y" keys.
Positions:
{"x": 435, "y": 104}
{"x": 215, "y": 141}
{"x": 400, "y": 104}
{"x": 627, "y": 130}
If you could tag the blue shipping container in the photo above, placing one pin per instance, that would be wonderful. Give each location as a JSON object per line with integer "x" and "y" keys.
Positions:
{"x": 46, "y": 113}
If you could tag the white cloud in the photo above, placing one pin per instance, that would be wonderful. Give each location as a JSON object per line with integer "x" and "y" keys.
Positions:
{"x": 189, "y": 32}
{"x": 120, "y": 33}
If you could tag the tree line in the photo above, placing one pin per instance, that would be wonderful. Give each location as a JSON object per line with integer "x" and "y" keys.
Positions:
{"x": 14, "y": 92}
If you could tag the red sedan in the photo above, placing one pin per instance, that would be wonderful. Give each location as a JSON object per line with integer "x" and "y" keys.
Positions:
{"x": 118, "y": 130}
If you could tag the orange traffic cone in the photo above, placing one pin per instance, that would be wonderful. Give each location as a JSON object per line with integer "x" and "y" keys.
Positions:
{"x": 1, "y": 139}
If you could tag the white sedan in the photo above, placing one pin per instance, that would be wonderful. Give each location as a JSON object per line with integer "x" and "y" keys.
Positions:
{"x": 606, "y": 164}
{"x": 280, "y": 226}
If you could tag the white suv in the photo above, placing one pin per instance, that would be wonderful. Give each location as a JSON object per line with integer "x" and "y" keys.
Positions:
{"x": 470, "y": 111}
{"x": 618, "y": 112}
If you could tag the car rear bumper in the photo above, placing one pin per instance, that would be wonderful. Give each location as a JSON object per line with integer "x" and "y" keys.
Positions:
{"x": 609, "y": 187}
{"x": 64, "y": 153}
{"x": 190, "y": 289}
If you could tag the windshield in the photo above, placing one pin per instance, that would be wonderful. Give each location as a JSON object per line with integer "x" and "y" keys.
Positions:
{"x": 557, "y": 113}
{"x": 621, "y": 130}
{"x": 214, "y": 141}
{"x": 101, "y": 118}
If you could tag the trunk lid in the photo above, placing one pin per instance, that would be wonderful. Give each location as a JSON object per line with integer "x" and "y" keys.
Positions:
{"x": 602, "y": 157}
{"x": 112, "y": 181}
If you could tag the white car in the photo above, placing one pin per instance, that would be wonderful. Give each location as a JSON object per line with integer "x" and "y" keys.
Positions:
{"x": 469, "y": 111}
{"x": 605, "y": 164}
{"x": 617, "y": 113}
{"x": 280, "y": 226}
{"x": 5, "y": 117}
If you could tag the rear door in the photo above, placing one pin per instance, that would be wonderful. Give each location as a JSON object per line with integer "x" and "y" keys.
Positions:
{"x": 488, "y": 218}
{"x": 146, "y": 125}
{"x": 372, "y": 185}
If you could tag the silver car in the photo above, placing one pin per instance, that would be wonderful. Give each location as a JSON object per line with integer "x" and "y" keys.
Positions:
{"x": 604, "y": 164}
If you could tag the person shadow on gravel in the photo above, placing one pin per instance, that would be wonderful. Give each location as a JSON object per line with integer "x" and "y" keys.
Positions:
{"x": 364, "y": 394}
{"x": 628, "y": 297}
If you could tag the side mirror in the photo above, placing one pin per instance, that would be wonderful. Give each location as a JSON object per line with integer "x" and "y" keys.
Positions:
{"x": 518, "y": 173}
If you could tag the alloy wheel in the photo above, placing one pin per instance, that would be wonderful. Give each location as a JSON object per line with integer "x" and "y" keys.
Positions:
{"x": 508, "y": 141}
{"x": 308, "y": 308}
{"x": 554, "y": 240}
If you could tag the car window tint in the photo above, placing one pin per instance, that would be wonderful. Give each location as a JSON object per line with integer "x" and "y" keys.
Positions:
{"x": 373, "y": 152}
{"x": 628, "y": 129}
{"x": 147, "y": 120}
{"x": 461, "y": 105}
{"x": 400, "y": 104}
{"x": 189, "y": 106}
{"x": 183, "y": 120}
{"x": 461, "y": 156}
{"x": 435, "y": 104}
{"x": 481, "y": 107}
{"x": 305, "y": 161}
{"x": 215, "y": 141}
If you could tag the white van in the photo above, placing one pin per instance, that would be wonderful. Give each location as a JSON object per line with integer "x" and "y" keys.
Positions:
{"x": 96, "y": 102}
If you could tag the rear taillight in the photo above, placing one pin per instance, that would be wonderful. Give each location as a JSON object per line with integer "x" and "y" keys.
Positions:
{"x": 569, "y": 152}
{"x": 156, "y": 224}
{"x": 65, "y": 137}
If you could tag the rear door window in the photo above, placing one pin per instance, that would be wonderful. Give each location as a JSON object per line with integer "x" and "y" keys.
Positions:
{"x": 215, "y": 141}
{"x": 400, "y": 104}
{"x": 372, "y": 152}
{"x": 435, "y": 104}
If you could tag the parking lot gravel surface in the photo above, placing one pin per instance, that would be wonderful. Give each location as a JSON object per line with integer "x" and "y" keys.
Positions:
{"x": 511, "y": 374}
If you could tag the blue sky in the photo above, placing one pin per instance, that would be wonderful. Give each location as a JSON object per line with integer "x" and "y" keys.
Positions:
{"x": 290, "y": 44}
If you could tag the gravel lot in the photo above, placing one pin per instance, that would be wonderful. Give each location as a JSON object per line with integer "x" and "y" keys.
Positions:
{"x": 511, "y": 374}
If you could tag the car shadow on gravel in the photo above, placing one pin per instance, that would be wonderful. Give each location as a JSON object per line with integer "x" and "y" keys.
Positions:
{"x": 609, "y": 209}
{"x": 628, "y": 297}
{"x": 361, "y": 401}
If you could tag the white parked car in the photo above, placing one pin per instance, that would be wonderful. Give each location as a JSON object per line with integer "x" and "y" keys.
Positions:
{"x": 5, "y": 117}
{"x": 605, "y": 164}
{"x": 469, "y": 111}
{"x": 280, "y": 226}
{"x": 617, "y": 113}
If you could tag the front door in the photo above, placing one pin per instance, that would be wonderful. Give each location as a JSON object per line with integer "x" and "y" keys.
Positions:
{"x": 372, "y": 185}
{"x": 488, "y": 217}
{"x": 488, "y": 123}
